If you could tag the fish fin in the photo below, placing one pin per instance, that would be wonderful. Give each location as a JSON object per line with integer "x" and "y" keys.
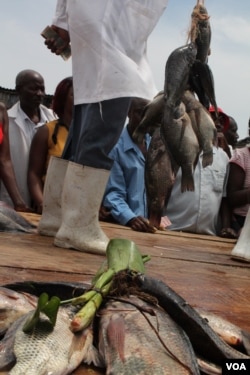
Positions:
{"x": 116, "y": 334}
{"x": 207, "y": 159}
{"x": 155, "y": 219}
{"x": 246, "y": 341}
{"x": 187, "y": 182}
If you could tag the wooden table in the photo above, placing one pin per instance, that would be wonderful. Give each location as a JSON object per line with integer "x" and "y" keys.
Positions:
{"x": 197, "y": 267}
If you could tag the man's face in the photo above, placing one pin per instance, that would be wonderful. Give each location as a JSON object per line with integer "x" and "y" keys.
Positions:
{"x": 231, "y": 134}
{"x": 219, "y": 121}
{"x": 32, "y": 92}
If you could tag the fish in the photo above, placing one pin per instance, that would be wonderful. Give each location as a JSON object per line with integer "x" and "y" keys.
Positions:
{"x": 151, "y": 118}
{"x": 201, "y": 81}
{"x": 12, "y": 221}
{"x": 61, "y": 289}
{"x": 205, "y": 341}
{"x": 201, "y": 77}
{"x": 203, "y": 126}
{"x": 177, "y": 71}
{"x": 139, "y": 338}
{"x": 180, "y": 138}
{"x": 44, "y": 350}
{"x": 13, "y": 305}
{"x": 148, "y": 313}
{"x": 229, "y": 332}
{"x": 200, "y": 31}
{"x": 160, "y": 173}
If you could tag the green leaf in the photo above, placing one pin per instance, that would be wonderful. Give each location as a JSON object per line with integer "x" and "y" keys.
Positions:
{"x": 124, "y": 254}
{"x": 46, "y": 306}
{"x": 50, "y": 309}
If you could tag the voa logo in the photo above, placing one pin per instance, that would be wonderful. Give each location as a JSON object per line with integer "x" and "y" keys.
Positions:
{"x": 237, "y": 366}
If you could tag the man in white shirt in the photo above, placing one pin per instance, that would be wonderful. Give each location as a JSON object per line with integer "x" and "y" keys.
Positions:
{"x": 24, "y": 118}
{"x": 198, "y": 211}
{"x": 108, "y": 43}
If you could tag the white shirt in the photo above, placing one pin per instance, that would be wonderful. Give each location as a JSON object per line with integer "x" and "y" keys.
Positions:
{"x": 197, "y": 211}
{"x": 21, "y": 132}
{"x": 109, "y": 45}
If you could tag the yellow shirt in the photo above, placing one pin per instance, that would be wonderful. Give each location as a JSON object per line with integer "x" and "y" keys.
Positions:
{"x": 56, "y": 149}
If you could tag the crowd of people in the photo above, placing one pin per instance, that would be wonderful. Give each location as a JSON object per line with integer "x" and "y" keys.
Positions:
{"x": 76, "y": 162}
{"x": 34, "y": 137}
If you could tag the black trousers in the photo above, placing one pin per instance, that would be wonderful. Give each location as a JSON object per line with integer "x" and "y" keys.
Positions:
{"x": 95, "y": 129}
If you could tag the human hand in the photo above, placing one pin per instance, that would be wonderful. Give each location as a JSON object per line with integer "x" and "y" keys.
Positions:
{"x": 23, "y": 208}
{"x": 140, "y": 224}
{"x": 165, "y": 222}
{"x": 228, "y": 233}
{"x": 105, "y": 215}
{"x": 56, "y": 39}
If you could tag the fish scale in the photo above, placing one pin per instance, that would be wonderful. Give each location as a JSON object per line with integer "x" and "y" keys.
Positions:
{"x": 35, "y": 352}
{"x": 130, "y": 346}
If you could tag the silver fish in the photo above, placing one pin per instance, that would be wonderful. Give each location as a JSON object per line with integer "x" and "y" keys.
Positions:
{"x": 45, "y": 351}
{"x": 229, "y": 332}
{"x": 138, "y": 338}
{"x": 13, "y": 305}
{"x": 12, "y": 221}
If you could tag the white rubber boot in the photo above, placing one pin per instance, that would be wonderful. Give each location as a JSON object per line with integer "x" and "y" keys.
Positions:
{"x": 241, "y": 250}
{"x": 51, "y": 216}
{"x": 81, "y": 199}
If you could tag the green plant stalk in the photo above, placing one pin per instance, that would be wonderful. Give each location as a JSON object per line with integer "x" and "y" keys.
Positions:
{"x": 84, "y": 317}
{"x": 80, "y": 300}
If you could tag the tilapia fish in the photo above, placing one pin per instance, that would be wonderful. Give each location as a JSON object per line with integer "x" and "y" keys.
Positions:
{"x": 131, "y": 336}
{"x": 137, "y": 338}
{"x": 200, "y": 31}
{"x": 13, "y": 305}
{"x": 180, "y": 138}
{"x": 151, "y": 118}
{"x": 160, "y": 172}
{"x": 202, "y": 82}
{"x": 203, "y": 126}
{"x": 12, "y": 221}
{"x": 46, "y": 351}
{"x": 177, "y": 73}
{"x": 205, "y": 341}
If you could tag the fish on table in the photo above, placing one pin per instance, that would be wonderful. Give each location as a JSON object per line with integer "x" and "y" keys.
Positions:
{"x": 44, "y": 350}
{"x": 127, "y": 335}
{"x": 13, "y": 305}
{"x": 138, "y": 338}
{"x": 12, "y": 221}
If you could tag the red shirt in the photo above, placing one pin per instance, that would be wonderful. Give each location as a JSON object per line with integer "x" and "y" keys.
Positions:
{"x": 1, "y": 132}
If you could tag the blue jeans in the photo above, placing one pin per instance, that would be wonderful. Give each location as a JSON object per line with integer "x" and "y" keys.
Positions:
{"x": 95, "y": 129}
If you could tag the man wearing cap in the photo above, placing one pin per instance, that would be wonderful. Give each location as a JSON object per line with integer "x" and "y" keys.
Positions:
{"x": 226, "y": 126}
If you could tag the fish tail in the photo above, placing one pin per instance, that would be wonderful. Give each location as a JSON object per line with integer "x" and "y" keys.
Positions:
{"x": 207, "y": 159}
{"x": 155, "y": 219}
{"x": 187, "y": 182}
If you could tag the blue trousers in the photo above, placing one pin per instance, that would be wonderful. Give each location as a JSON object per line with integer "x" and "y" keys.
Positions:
{"x": 95, "y": 129}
